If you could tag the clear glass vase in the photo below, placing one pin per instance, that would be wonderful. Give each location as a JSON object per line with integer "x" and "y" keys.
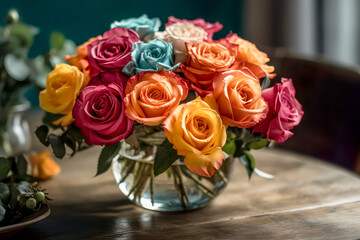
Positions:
{"x": 177, "y": 189}
{"x": 15, "y": 135}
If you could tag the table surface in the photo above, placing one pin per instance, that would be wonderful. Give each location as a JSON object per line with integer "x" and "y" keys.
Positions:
{"x": 308, "y": 199}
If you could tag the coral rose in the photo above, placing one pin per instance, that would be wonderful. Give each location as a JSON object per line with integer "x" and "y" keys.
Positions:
{"x": 197, "y": 133}
{"x": 99, "y": 113}
{"x": 285, "y": 112}
{"x": 152, "y": 96}
{"x": 205, "y": 60}
{"x": 247, "y": 52}
{"x": 63, "y": 85}
{"x": 238, "y": 99}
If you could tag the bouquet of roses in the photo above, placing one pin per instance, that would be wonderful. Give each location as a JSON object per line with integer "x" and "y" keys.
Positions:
{"x": 176, "y": 94}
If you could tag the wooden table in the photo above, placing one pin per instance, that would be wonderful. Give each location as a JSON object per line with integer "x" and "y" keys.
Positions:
{"x": 308, "y": 199}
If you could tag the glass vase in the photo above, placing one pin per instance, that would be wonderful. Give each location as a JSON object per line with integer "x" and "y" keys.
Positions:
{"x": 177, "y": 189}
{"x": 15, "y": 136}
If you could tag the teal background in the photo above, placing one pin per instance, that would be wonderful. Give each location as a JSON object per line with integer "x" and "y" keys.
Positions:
{"x": 80, "y": 20}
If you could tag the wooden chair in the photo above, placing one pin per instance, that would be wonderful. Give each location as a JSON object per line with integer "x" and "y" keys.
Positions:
{"x": 330, "y": 95}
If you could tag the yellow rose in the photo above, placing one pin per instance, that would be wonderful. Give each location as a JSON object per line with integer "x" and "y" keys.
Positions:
{"x": 63, "y": 85}
{"x": 197, "y": 133}
{"x": 43, "y": 166}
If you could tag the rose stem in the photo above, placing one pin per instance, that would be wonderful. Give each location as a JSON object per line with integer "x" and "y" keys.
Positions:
{"x": 182, "y": 188}
{"x": 222, "y": 175}
{"x": 199, "y": 185}
{"x": 137, "y": 176}
{"x": 124, "y": 164}
{"x": 143, "y": 181}
{"x": 152, "y": 185}
{"x": 177, "y": 187}
{"x": 130, "y": 167}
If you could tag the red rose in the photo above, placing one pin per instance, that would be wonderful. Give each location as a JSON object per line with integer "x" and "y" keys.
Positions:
{"x": 112, "y": 52}
{"x": 99, "y": 113}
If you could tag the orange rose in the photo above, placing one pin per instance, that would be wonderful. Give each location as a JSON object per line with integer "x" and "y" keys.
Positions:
{"x": 152, "y": 96}
{"x": 205, "y": 60}
{"x": 238, "y": 99}
{"x": 81, "y": 52}
{"x": 43, "y": 166}
{"x": 80, "y": 58}
{"x": 197, "y": 133}
{"x": 247, "y": 52}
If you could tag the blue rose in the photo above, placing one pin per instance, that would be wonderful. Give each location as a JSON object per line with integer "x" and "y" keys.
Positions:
{"x": 143, "y": 25}
{"x": 155, "y": 55}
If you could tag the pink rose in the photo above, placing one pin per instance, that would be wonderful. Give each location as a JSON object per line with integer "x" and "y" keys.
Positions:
{"x": 99, "y": 113}
{"x": 210, "y": 28}
{"x": 105, "y": 78}
{"x": 111, "y": 52}
{"x": 285, "y": 112}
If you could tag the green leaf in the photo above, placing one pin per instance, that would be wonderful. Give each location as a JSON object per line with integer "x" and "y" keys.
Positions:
{"x": 4, "y": 193}
{"x": 28, "y": 178}
{"x": 249, "y": 163}
{"x": 24, "y": 188}
{"x": 239, "y": 150}
{"x": 57, "y": 145}
{"x": 21, "y": 32}
{"x": 14, "y": 196}
{"x": 16, "y": 67}
{"x": 70, "y": 142}
{"x": 2, "y": 213}
{"x": 42, "y": 134}
{"x": 257, "y": 143}
{"x": 265, "y": 82}
{"x": 5, "y": 167}
{"x": 76, "y": 133}
{"x": 229, "y": 147}
{"x": 57, "y": 41}
{"x": 49, "y": 118}
{"x": 106, "y": 156}
{"x": 166, "y": 155}
{"x": 21, "y": 165}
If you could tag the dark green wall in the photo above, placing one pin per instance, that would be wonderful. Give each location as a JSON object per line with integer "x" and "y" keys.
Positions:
{"x": 82, "y": 19}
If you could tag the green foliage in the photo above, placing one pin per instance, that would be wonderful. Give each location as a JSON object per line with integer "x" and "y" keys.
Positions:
{"x": 49, "y": 118}
{"x": 57, "y": 41}
{"x": 21, "y": 165}
{"x": 265, "y": 82}
{"x": 4, "y": 193}
{"x": 257, "y": 143}
{"x": 230, "y": 145}
{"x": 24, "y": 188}
{"x": 2, "y": 213}
{"x": 249, "y": 163}
{"x": 21, "y": 32}
{"x": 42, "y": 134}
{"x": 57, "y": 144}
{"x": 106, "y": 156}
{"x": 165, "y": 157}
{"x": 69, "y": 136}
{"x": 5, "y": 167}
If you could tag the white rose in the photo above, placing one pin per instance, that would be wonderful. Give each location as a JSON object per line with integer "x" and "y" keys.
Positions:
{"x": 178, "y": 34}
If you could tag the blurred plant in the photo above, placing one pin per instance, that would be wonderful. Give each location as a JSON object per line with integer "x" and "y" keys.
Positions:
{"x": 20, "y": 194}
{"x": 17, "y": 71}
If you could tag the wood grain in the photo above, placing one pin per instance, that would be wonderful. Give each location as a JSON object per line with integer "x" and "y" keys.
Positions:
{"x": 307, "y": 199}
